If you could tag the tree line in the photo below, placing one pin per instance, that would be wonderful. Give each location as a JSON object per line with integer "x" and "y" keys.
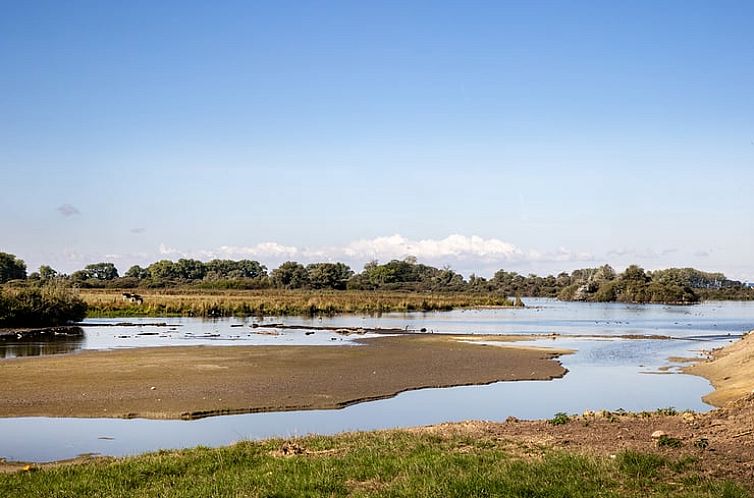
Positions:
{"x": 600, "y": 284}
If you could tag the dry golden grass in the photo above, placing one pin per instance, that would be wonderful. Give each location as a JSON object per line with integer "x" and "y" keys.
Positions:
{"x": 275, "y": 302}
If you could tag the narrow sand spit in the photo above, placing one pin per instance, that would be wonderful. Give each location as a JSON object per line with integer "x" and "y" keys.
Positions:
{"x": 195, "y": 382}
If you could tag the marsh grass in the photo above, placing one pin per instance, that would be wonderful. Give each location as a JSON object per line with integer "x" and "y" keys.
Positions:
{"x": 272, "y": 302}
{"x": 388, "y": 463}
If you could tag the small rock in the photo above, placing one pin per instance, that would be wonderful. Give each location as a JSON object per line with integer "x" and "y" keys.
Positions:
{"x": 688, "y": 417}
{"x": 153, "y": 388}
{"x": 291, "y": 449}
{"x": 658, "y": 434}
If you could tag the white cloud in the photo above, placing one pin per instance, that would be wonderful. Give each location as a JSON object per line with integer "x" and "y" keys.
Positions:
{"x": 646, "y": 253}
{"x": 453, "y": 246}
{"x": 471, "y": 253}
{"x": 169, "y": 251}
{"x": 262, "y": 250}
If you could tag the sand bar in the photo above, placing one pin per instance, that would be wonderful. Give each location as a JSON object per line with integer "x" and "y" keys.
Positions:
{"x": 197, "y": 381}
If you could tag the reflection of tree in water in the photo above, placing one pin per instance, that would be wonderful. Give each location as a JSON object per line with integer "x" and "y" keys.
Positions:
{"x": 42, "y": 344}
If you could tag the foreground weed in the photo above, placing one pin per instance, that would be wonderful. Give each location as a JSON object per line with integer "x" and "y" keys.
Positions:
{"x": 669, "y": 442}
{"x": 640, "y": 466}
{"x": 560, "y": 418}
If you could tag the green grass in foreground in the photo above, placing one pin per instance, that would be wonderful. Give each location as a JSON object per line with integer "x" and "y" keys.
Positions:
{"x": 374, "y": 464}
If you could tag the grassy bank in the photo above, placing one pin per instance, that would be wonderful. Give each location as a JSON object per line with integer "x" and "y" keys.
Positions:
{"x": 393, "y": 463}
{"x": 275, "y": 302}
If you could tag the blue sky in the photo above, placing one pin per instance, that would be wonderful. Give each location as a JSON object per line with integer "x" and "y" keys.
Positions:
{"x": 532, "y": 136}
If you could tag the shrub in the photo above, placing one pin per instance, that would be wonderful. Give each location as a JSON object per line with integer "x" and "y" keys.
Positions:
{"x": 560, "y": 418}
{"x": 49, "y": 305}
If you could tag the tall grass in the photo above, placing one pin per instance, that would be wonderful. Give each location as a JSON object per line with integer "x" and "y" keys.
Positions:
{"x": 273, "y": 302}
{"x": 395, "y": 463}
{"x": 52, "y": 304}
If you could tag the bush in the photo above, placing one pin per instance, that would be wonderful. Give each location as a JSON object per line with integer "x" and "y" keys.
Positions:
{"x": 560, "y": 418}
{"x": 49, "y": 305}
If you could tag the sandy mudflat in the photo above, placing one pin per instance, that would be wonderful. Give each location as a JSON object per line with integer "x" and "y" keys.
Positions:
{"x": 730, "y": 370}
{"x": 192, "y": 382}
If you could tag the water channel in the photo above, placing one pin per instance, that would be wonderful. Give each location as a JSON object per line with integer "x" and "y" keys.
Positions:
{"x": 611, "y": 369}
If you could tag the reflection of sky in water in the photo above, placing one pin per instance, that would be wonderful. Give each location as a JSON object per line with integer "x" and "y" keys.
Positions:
{"x": 543, "y": 317}
{"x": 550, "y": 315}
{"x": 603, "y": 373}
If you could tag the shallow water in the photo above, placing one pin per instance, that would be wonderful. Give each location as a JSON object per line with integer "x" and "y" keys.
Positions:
{"x": 543, "y": 316}
{"x": 607, "y": 372}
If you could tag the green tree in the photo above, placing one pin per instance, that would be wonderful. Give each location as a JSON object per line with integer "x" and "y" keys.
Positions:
{"x": 190, "y": 269}
{"x": 101, "y": 271}
{"x": 164, "y": 270}
{"x": 633, "y": 284}
{"x": 290, "y": 275}
{"x": 47, "y": 273}
{"x": 137, "y": 272}
{"x": 328, "y": 275}
{"x": 11, "y": 268}
{"x": 218, "y": 269}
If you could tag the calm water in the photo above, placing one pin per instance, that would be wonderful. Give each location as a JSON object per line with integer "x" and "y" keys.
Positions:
{"x": 606, "y": 372}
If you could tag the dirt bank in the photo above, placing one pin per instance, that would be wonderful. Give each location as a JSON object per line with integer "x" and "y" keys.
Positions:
{"x": 193, "y": 382}
{"x": 730, "y": 370}
{"x": 721, "y": 441}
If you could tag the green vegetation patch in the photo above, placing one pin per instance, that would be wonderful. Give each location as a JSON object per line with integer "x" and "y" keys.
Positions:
{"x": 51, "y": 304}
{"x": 372, "y": 464}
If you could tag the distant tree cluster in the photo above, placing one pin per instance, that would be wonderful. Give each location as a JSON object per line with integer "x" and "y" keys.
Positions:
{"x": 218, "y": 273}
{"x": 407, "y": 274}
{"x": 599, "y": 284}
{"x": 635, "y": 285}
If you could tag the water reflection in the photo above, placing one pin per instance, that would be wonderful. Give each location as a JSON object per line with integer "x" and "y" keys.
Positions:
{"x": 707, "y": 321}
{"x": 47, "y": 343}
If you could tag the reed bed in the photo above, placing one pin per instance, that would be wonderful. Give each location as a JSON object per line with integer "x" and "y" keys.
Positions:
{"x": 269, "y": 302}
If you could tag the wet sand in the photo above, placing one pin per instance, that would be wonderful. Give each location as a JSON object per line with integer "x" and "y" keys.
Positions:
{"x": 197, "y": 381}
{"x": 730, "y": 370}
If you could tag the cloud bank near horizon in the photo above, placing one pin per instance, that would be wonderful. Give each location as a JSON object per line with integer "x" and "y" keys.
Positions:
{"x": 466, "y": 254}
{"x": 454, "y": 250}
